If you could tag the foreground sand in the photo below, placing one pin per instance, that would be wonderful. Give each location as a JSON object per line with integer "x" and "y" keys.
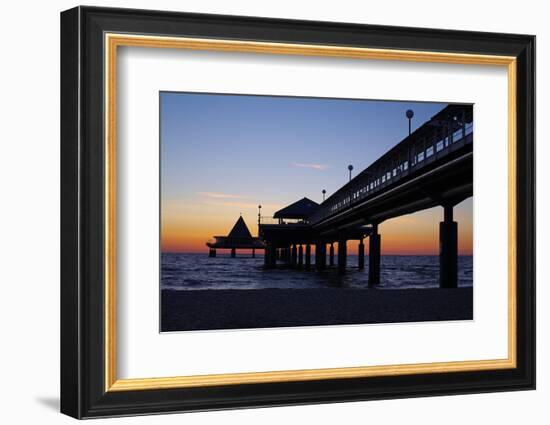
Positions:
{"x": 232, "y": 309}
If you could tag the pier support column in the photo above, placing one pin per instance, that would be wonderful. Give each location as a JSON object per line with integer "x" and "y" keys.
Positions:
{"x": 320, "y": 256}
{"x": 308, "y": 256}
{"x": 253, "y": 253}
{"x": 361, "y": 255}
{"x": 294, "y": 256}
{"x": 269, "y": 256}
{"x": 233, "y": 252}
{"x": 448, "y": 250}
{"x": 374, "y": 256}
{"x": 331, "y": 254}
{"x": 212, "y": 252}
{"x": 317, "y": 256}
{"x": 300, "y": 256}
{"x": 286, "y": 255}
{"x": 342, "y": 255}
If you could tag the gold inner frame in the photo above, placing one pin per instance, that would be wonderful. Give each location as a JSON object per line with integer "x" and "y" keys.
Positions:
{"x": 113, "y": 41}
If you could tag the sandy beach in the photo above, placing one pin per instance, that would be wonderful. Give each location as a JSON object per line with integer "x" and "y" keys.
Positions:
{"x": 264, "y": 308}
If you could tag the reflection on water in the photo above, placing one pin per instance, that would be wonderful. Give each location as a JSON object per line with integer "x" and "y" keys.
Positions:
{"x": 198, "y": 271}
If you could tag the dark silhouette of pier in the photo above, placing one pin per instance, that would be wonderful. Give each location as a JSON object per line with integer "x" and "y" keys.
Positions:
{"x": 432, "y": 166}
{"x": 238, "y": 238}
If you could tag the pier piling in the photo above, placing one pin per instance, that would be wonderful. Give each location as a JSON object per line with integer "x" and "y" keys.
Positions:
{"x": 361, "y": 255}
{"x": 448, "y": 250}
{"x": 294, "y": 256}
{"x": 320, "y": 256}
{"x": 308, "y": 256}
{"x": 374, "y": 256}
{"x": 342, "y": 255}
{"x": 270, "y": 258}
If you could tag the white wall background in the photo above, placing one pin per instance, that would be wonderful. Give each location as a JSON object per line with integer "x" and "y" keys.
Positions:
{"x": 29, "y": 213}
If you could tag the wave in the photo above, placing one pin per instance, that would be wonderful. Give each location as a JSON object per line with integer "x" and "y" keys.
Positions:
{"x": 192, "y": 271}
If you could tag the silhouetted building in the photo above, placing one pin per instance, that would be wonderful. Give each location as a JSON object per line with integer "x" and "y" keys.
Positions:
{"x": 298, "y": 211}
{"x": 238, "y": 238}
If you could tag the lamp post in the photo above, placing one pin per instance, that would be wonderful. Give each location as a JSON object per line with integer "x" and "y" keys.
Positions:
{"x": 409, "y": 114}
{"x": 350, "y": 168}
{"x": 259, "y": 216}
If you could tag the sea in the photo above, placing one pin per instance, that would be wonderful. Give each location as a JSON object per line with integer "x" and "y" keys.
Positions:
{"x": 198, "y": 271}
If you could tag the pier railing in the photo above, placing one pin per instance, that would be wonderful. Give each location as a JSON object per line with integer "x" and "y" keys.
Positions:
{"x": 449, "y": 130}
{"x": 281, "y": 221}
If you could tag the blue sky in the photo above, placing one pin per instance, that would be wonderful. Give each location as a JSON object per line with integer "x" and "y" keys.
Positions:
{"x": 268, "y": 147}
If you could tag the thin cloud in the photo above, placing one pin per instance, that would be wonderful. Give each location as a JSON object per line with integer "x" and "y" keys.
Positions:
{"x": 244, "y": 205}
{"x": 319, "y": 167}
{"x": 220, "y": 195}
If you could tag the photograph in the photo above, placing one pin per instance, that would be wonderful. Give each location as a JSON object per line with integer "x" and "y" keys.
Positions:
{"x": 285, "y": 211}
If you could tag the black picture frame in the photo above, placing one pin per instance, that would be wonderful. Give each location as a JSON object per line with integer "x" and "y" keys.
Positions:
{"x": 83, "y": 392}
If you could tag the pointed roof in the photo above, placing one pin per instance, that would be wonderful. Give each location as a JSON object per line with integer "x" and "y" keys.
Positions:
{"x": 240, "y": 230}
{"x": 299, "y": 209}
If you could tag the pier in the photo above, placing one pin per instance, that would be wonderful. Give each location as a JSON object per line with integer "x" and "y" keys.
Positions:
{"x": 238, "y": 238}
{"x": 431, "y": 167}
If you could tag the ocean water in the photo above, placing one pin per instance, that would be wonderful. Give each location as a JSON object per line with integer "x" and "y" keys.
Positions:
{"x": 198, "y": 271}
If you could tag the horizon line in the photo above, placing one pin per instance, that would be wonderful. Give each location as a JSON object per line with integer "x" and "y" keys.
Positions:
{"x": 366, "y": 254}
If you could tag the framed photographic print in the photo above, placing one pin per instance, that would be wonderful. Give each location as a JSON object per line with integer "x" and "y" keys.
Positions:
{"x": 262, "y": 212}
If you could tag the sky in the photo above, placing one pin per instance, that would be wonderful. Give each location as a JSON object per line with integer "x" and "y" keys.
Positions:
{"x": 223, "y": 155}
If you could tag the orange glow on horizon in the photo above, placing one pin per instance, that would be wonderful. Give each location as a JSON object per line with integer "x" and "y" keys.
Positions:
{"x": 414, "y": 234}
{"x": 187, "y": 226}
